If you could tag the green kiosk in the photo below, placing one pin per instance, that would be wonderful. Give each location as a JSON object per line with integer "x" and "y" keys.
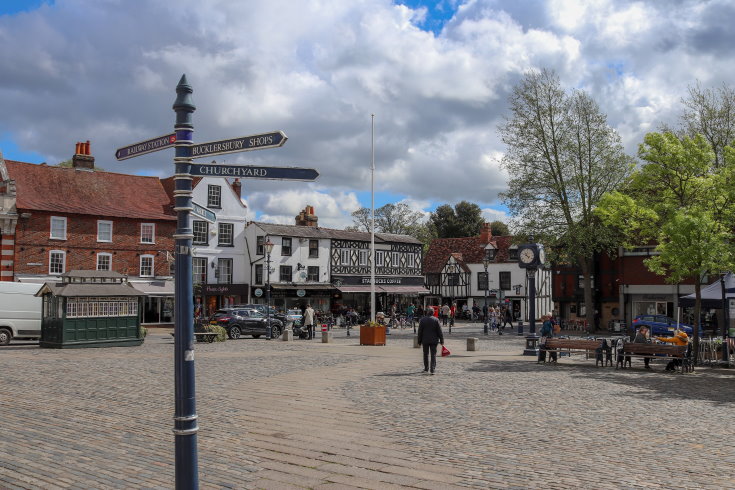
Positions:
{"x": 90, "y": 309}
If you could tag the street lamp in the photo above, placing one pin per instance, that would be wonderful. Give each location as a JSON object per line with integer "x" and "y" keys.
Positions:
{"x": 268, "y": 250}
{"x": 485, "y": 263}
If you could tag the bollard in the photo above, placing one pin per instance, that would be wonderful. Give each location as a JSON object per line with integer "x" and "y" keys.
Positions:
{"x": 326, "y": 337}
{"x": 472, "y": 343}
{"x": 415, "y": 341}
{"x": 287, "y": 335}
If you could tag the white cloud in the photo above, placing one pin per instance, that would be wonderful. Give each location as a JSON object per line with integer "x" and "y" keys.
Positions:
{"x": 317, "y": 70}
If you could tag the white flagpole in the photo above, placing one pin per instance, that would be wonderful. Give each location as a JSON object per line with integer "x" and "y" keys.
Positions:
{"x": 372, "y": 217}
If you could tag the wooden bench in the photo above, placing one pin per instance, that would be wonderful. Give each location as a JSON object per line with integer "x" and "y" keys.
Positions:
{"x": 655, "y": 351}
{"x": 577, "y": 345}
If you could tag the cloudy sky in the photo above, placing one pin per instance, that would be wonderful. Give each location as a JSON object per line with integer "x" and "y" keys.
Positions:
{"x": 436, "y": 75}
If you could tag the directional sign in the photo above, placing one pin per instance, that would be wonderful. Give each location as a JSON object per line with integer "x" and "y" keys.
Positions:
{"x": 263, "y": 141}
{"x": 252, "y": 172}
{"x": 203, "y": 212}
{"x": 148, "y": 146}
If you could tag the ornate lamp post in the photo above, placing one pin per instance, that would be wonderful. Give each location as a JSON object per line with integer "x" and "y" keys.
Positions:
{"x": 485, "y": 263}
{"x": 268, "y": 249}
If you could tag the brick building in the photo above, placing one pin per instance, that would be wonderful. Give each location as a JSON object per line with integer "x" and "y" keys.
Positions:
{"x": 57, "y": 219}
{"x": 622, "y": 288}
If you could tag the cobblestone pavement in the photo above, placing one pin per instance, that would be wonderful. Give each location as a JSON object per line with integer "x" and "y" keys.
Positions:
{"x": 305, "y": 414}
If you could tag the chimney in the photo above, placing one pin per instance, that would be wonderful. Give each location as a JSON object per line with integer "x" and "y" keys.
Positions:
{"x": 307, "y": 217}
{"x": 486, "y": 234}
{"x": 83, "y": 158}
{"x": 237, "y": 187}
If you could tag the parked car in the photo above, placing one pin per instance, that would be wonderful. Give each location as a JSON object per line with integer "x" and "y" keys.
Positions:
{"x": 660, "y": 325}
{"x": 241, "y": 321}
{"x": 262, "y": 309}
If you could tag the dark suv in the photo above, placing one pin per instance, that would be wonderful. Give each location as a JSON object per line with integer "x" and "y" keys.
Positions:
{"x": 242, "y": 321}
{"x": 263, "y": 311}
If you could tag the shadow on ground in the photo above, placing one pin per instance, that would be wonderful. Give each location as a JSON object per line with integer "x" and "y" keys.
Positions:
{"x": 714, "y": 385}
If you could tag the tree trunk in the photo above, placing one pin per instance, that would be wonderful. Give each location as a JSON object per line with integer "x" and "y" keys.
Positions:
{"x": 589, "y": 304}
{"x": 698, "y": 318}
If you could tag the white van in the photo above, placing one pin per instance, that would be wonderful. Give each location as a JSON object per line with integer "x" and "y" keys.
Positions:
{"x": 20, "y": 311}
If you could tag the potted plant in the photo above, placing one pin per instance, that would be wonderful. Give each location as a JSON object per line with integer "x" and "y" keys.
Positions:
{"x": 372, "y": 333}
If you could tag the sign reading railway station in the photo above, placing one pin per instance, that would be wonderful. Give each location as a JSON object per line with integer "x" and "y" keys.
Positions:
{"x": 148, "y": 146}
{"x": 253, "y": 172}
{"x": 274, "y": 139}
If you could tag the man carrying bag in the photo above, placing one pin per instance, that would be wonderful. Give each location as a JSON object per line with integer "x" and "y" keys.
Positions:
{"x": 430, "y": 334}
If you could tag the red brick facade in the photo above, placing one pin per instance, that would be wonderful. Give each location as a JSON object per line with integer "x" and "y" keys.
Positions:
{"x": 33, "y": 244}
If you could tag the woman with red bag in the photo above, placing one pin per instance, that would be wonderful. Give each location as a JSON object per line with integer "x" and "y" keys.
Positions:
{"x": 430, "y": 334}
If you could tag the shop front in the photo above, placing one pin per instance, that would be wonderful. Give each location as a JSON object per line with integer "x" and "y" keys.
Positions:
{"x": 294, "y": 296}
{"x": 211, "y": 297}
{"x": 157, "y": 301}
{"x": 399, "y": 290}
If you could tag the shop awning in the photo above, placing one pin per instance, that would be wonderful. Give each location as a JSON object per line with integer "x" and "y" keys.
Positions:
{"x": 404, "y": 289}
{"x": 155, "y": 288}
{"x": 358, "y": 289}
{"x": 385, "y": 289}
{"x": 323, "y": 287}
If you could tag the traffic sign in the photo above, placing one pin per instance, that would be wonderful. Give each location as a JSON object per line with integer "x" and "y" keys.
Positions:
{"x": 143, "y": 147}
{"x": 253, "y": 172}
{"x": 263, "y": 141}
{"x": 202, "y": 212}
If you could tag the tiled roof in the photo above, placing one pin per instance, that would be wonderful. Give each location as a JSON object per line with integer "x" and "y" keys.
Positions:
{"x": 67, "y": 190}
{"x": 467, "y": 250}
{"x": 319, "y": 232}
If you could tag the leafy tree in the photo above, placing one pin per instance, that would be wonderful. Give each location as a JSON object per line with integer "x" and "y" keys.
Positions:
{"x": 562, "y": 157}
{"x": 498, "y": 228}
{"x": 465, "y": 219}
{"x": 711, "y": 113}
{"x": 394, "y": 218}
{"x": 683, "y": 203}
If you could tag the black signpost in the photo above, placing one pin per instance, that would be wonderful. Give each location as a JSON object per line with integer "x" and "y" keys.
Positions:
{"x": 185, "y": 415}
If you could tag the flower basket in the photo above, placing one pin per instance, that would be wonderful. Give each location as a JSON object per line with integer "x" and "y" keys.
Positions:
{"x": 372, "y": 334}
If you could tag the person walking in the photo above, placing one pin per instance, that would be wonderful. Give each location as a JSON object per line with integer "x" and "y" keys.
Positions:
{"x": 507, "y": 318}
{"x": 309, "y": 321}
{"x": 430, "y": 334}
{"x": 547, "y": 332}
{"x": 445, "y": 314}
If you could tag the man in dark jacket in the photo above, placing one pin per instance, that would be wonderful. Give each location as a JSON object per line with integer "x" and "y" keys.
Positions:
{"x": 430, "y": 334}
